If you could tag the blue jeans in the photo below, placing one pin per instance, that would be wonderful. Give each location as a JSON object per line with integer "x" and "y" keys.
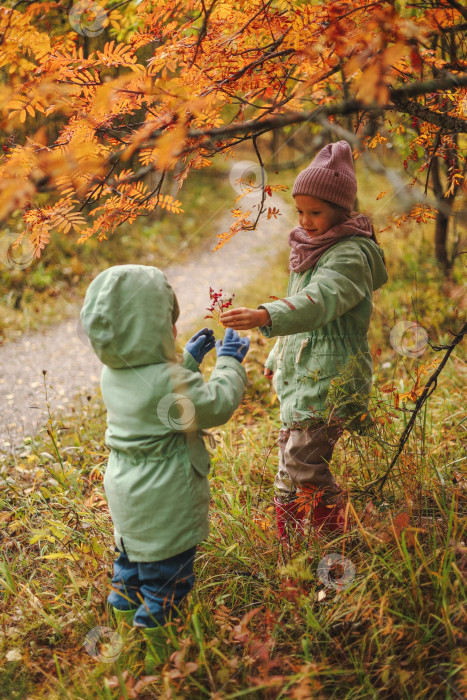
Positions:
{"x": 152, "y": 588}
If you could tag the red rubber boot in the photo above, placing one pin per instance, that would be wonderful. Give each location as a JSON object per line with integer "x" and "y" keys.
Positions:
{"x": 329, "y": 518}
{"x": 289, "y": 518}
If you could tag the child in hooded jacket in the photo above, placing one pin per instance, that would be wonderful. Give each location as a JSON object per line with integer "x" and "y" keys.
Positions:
{"x": 321, "y": 364}
{"x": 156, "y": 478}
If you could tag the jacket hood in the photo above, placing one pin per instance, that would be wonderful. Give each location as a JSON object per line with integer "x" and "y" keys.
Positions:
{"x": 375, "y": 257}
{"x": 127, "y": 315}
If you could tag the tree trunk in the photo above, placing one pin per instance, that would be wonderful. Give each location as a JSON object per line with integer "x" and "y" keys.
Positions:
{"x": 441, "y": 241}
{"x": 442, "y": 221}
{"x": 274, "y": 148}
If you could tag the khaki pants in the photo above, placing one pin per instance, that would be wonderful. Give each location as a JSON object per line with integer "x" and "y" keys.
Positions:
{"x": 304, "y": 456}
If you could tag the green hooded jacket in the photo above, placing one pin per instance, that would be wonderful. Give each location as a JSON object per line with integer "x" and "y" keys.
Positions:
{"x": 156, "y": 478}
{"x": 321, "y": 362}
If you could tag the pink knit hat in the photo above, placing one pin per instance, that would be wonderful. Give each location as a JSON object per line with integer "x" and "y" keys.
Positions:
{"x": 330, "y": 176}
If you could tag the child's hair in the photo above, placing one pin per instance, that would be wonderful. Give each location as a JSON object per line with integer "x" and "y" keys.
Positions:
{"x": 351, "y": 214}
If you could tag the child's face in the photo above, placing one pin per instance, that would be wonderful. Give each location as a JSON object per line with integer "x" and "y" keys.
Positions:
{"x": 174, "y": 328}
{"x": 315, "y": 215}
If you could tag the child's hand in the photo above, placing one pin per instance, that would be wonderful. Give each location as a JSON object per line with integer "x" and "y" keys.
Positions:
{"x": 268, "y": 373}
{"x": 201, "y": 343}
{"x": 233, "y": 345}
{"x": 242, "y": 319}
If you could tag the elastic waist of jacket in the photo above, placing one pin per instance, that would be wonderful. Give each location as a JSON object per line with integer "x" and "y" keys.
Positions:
{"x": 351, "y": 336}
{"x": 147, "y": 451}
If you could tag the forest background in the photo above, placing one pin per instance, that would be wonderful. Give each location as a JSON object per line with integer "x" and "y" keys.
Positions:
{"x": 122, "y": 124}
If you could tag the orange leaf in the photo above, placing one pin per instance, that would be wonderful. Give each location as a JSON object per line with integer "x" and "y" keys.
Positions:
{"x": 401, "y": 521}
{"x": 169, "y": 145}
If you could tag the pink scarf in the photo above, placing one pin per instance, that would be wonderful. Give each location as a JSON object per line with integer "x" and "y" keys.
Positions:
{"x": 307, "y": 251}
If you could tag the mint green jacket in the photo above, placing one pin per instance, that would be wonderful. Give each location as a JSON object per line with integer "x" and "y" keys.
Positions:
{"x": 321, "y": 361}
{"x": 156, "y": 477}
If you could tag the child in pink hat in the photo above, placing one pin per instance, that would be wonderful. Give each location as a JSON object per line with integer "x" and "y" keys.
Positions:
{"x": 321, "y": 364}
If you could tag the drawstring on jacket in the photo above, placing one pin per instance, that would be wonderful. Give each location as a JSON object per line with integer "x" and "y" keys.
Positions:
{"x": 303, "y": 345}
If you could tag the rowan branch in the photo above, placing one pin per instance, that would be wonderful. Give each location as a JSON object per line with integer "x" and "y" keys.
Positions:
{"x": 202, "y": 32}
{"x": 340, "y": 109}
{"x": 254, "y": 64}
{"x": 416, "y": 109}
{"x": 343, "y": 108}
{"x": 423, "y": 87}
{"x": 240, "y": 31}
{"x": 457, "y": 6}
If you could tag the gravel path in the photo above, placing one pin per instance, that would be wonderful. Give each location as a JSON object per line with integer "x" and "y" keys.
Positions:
{"x": 62, "y": 350}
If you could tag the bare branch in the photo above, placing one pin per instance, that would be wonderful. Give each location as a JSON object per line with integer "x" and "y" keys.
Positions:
{"x": 428, "y": 389}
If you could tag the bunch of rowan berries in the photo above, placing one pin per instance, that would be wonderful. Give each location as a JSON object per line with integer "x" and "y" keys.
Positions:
{"x": 219, "y": 302}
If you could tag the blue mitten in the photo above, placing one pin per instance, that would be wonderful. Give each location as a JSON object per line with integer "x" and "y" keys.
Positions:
{"x": 200, "y": 344}
{"x": 233, "y": 345}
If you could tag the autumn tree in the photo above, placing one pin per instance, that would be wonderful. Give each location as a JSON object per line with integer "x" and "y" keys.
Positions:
{"x": 161, "y": 87}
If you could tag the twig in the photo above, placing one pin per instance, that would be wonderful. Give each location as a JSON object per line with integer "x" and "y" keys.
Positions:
{"x": 459, "y": 7}
{"x": 435, "y": 148}
{"x": 429, "y": 388}
{"x": 203, "y": 30}
{"x": 263, "y": 192}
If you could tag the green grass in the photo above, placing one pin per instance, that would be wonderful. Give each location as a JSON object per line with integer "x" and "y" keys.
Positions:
{"x": 259, "y": 622}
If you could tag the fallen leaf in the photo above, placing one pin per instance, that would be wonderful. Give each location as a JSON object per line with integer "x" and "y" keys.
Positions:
{"x": 144, "y": 681}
